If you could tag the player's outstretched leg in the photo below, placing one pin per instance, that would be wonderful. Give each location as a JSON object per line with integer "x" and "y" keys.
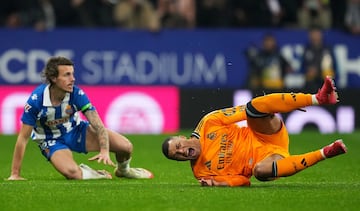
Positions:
{"x": 124, "y": 170}
{"x": 286, "y": 102}
{"x": 295, "y": 163}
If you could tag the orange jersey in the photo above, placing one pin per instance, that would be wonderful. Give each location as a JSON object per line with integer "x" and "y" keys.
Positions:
{"x": 229, "y": 152}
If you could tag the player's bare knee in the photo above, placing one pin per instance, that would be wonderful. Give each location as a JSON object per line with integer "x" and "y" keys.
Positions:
{"x": 73, "y": 173}
{"x": 257, "y": 172}
{"x": 252, "y": 112}
{"x": 261, "y": 172}
{"x": 128, "y": 147}
{"x": 123, "y": 152}
{"x": 123, "y": 147}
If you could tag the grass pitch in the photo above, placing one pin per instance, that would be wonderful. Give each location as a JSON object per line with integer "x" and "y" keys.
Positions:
{"x": 333, "y": 184}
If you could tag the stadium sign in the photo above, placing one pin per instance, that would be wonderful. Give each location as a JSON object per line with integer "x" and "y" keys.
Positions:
{"x": 187, "y": 59}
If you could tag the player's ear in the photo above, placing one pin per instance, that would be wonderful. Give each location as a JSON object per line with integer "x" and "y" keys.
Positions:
{"x": 53, "y": 80}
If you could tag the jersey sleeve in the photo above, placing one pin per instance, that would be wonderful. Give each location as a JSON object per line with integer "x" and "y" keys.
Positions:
{"x": 31, "y": 110}
{"x": 224, "y": 116}
{"x": 82, "y": 101}
{"x": 235, "y": 180}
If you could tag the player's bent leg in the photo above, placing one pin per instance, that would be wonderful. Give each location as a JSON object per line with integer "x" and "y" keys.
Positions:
{"x": 269, "y": 124}
{"x": 120, "y": 145}
{"x": 278, "y": 103}
{"x": 263, "y": 171}
{"x": 260, "y": 113}
{"x": 63, "y": 162}
{"x": 293, "y": 164}
{"x": 123, "y": 148}
{"x": 286, "y": 102}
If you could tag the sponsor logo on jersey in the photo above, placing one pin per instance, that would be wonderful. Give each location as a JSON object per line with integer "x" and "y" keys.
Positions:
{"x": 57, "y": 121}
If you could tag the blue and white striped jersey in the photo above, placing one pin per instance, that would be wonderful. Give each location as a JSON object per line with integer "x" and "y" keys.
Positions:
{"x": 52, "y": 122}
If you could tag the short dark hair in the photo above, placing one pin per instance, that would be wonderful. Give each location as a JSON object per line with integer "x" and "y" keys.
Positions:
{"x": 51, "y": 68}
{"x": 165, "y": 147}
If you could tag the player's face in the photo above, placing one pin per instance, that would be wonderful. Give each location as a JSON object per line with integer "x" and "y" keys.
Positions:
{"x": 181, "y": 148}
{"x": 65, "y": 80}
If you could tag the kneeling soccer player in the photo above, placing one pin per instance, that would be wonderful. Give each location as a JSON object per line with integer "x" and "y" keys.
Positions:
{"x": 51, "y": 118}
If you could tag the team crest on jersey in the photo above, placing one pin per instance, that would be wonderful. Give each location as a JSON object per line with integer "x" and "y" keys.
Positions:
{"x": 69, "y": 110}
{"x": 211, "y": 136}
{"x": 27, "y": 107}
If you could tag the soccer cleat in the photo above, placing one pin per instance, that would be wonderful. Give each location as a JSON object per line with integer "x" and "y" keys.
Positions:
{"x": 327, "y": 94}
{"x": 105, "y": 174}
{"x": 134, "y": 173}
{"x": 94, "y": 174}
{"x": 336, "y": 148}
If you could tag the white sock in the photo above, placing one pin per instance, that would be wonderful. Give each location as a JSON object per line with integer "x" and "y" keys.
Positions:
{"x": 89, "y": 173}
{"x": 124, "y": 166}
{"x": 314, "y": 100}
{"x": 322, "y": 152}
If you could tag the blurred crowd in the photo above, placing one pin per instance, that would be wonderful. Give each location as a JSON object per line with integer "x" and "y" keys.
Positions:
{"x": 157, "y": 14}
{"x": 269, "y": 69}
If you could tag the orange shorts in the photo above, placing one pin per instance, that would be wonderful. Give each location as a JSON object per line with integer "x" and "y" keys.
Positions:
{"x": 265, "y": 145}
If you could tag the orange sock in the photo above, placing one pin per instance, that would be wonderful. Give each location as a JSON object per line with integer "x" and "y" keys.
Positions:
{"x": 293, "y": 164}
{"x": 281, "y": 102}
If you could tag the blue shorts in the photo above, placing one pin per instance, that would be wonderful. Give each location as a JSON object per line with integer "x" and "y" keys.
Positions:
{"x": 75, "y": 141}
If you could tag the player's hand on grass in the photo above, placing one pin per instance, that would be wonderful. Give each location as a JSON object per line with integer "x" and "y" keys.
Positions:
{"x": 16, "y": 177}
{"x": 210, "y": 181}
{"x": 205, "y": 182}
{"x": 103, "y": 157}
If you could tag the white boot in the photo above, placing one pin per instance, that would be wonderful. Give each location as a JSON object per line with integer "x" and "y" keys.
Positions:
{"x": 123, "y": 170}
{"x": 89, "y": 173}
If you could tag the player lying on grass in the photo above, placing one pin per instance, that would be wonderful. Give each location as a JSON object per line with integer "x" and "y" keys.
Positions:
{"x": 223, "y": 154}
{"x": 51, "y": 118}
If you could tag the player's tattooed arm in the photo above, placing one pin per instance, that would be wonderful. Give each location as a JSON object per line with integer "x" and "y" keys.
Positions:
{"x": 98, "y": 126}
